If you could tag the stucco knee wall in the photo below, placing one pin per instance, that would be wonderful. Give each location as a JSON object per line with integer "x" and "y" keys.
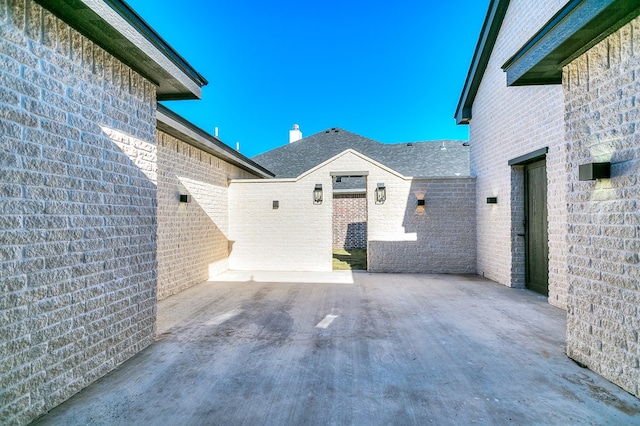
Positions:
{"x": 77, "y": 212}
{"x": 509, "y": 122}
{"x": 439, "y": 237}
{"x": 193, "y": 242}
{"x": 601, "y": 90}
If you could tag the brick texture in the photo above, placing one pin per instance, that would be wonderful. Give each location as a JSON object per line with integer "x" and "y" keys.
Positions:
{"x": 349, "y": 221}
{"x": 295, "y": 236}
{"x": 77, "y": 212}
{"x": 509, "y": 122}
{"x": 401, "y": 237}
{"x": 602, "y": 115}
{"x": 439, "y": 237}
{"x": 193, "y": 239}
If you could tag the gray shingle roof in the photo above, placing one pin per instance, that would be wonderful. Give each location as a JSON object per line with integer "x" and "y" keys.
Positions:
{"x": 416, "y": 159}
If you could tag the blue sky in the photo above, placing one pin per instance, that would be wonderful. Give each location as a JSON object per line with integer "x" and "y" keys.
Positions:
{"x": 391, "y": 71}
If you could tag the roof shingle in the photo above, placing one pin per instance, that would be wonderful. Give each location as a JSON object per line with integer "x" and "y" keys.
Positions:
{"x": 413, "y": 159}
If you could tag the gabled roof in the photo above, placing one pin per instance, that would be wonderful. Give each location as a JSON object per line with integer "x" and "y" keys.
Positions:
{"x": 416, "y": 159}
{"x": 355, "y": 153}
{"x": 328, "y": 161}
{"x": 578, "y": 26}
{"x": 486, "y": 42}
{"x": 171, "y": 123}
{"x": 119, "y": 30}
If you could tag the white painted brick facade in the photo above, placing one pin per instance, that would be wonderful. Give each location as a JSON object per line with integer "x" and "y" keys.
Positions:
{"x": 509, "y": 122}
{"x": 602, "y": 91}
{"x": 193, "y": 242}
{"x": 77, "y": 212}
{"x": 401, "y": 237}
{"x": 294, "y": 237}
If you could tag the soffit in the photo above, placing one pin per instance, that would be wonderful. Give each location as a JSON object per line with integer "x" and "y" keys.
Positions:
{"x": 572, "y": 31}
{"x": 486, "y": 42}
{"x": 171, "y": 123}
{"x": 119, "y": 30}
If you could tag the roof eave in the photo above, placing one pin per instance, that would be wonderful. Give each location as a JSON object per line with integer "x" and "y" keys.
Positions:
{"x": 572, "y": 31}
{"x": 486, "y": 42}
{"x": 173, "y": 124}
{"x": 119, "y": 30}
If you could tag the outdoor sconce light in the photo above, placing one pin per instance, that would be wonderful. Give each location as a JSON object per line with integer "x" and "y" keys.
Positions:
{"x": 276, "y": 204}
{"x": 421, "y": 203}
{"x": 317, "y": 194}
{"x": 184, "y": 198}
{"x": 492, "y": 200}
{"x": 593, "y": 171}
{"x": 381, "y": 193}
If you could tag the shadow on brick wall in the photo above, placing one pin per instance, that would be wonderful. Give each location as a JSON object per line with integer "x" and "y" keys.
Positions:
{"x": 356, "y": 237}
{"x": 444, "y": 228}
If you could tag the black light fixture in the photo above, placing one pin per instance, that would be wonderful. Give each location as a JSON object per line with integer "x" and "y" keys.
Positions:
{"x": 492, "y": 200}
{"x": 381, "y": 193}
{"x": 276, "y": 204}
{"x": 317, "y": 194}
{"x": 593, "y": 171}
{"x": 421, "y": 202}
{"x": 184, "y": 198}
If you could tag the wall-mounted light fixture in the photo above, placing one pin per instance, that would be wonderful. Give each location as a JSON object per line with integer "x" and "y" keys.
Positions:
{"x": 184, "y": 198}
{"x": 276, "y": 204}
{"x": 381, "y": 193}
{"x": 317, "y": 194}
{"x": 421, "y": 202}
{"x": 492, "y": 200}
{"x": 593, "y": 171}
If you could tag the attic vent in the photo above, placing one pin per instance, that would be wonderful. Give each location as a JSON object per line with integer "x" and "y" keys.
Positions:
{"x": 326, "y": 131}
{"x": 409, "y": 144}
{"x": 336, "y": 130}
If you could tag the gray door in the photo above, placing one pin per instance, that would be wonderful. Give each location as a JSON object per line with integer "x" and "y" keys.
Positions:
{"x": 536, "y": 244}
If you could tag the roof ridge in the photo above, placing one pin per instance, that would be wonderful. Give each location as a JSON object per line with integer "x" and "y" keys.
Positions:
{"x": 317, "y": 134}
{"x": 429, "y": 141}
{"x": 339, "y": 129}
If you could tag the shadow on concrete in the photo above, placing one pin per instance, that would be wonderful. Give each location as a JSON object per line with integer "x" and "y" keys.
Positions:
{"x": 399, "y": 349}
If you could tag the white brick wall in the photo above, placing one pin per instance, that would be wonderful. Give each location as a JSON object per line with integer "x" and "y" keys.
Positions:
{"x": 77, "y": 212}
{"x": 508, "y": 122}
{"x": 602, "y": 89}
{"x": 402, "y": 238}
{"x": 193, "y": 242}
{"x": 294, "y": 237}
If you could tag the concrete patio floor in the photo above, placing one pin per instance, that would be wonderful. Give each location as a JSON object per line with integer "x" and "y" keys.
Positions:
{"x": 342, "y": 348}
